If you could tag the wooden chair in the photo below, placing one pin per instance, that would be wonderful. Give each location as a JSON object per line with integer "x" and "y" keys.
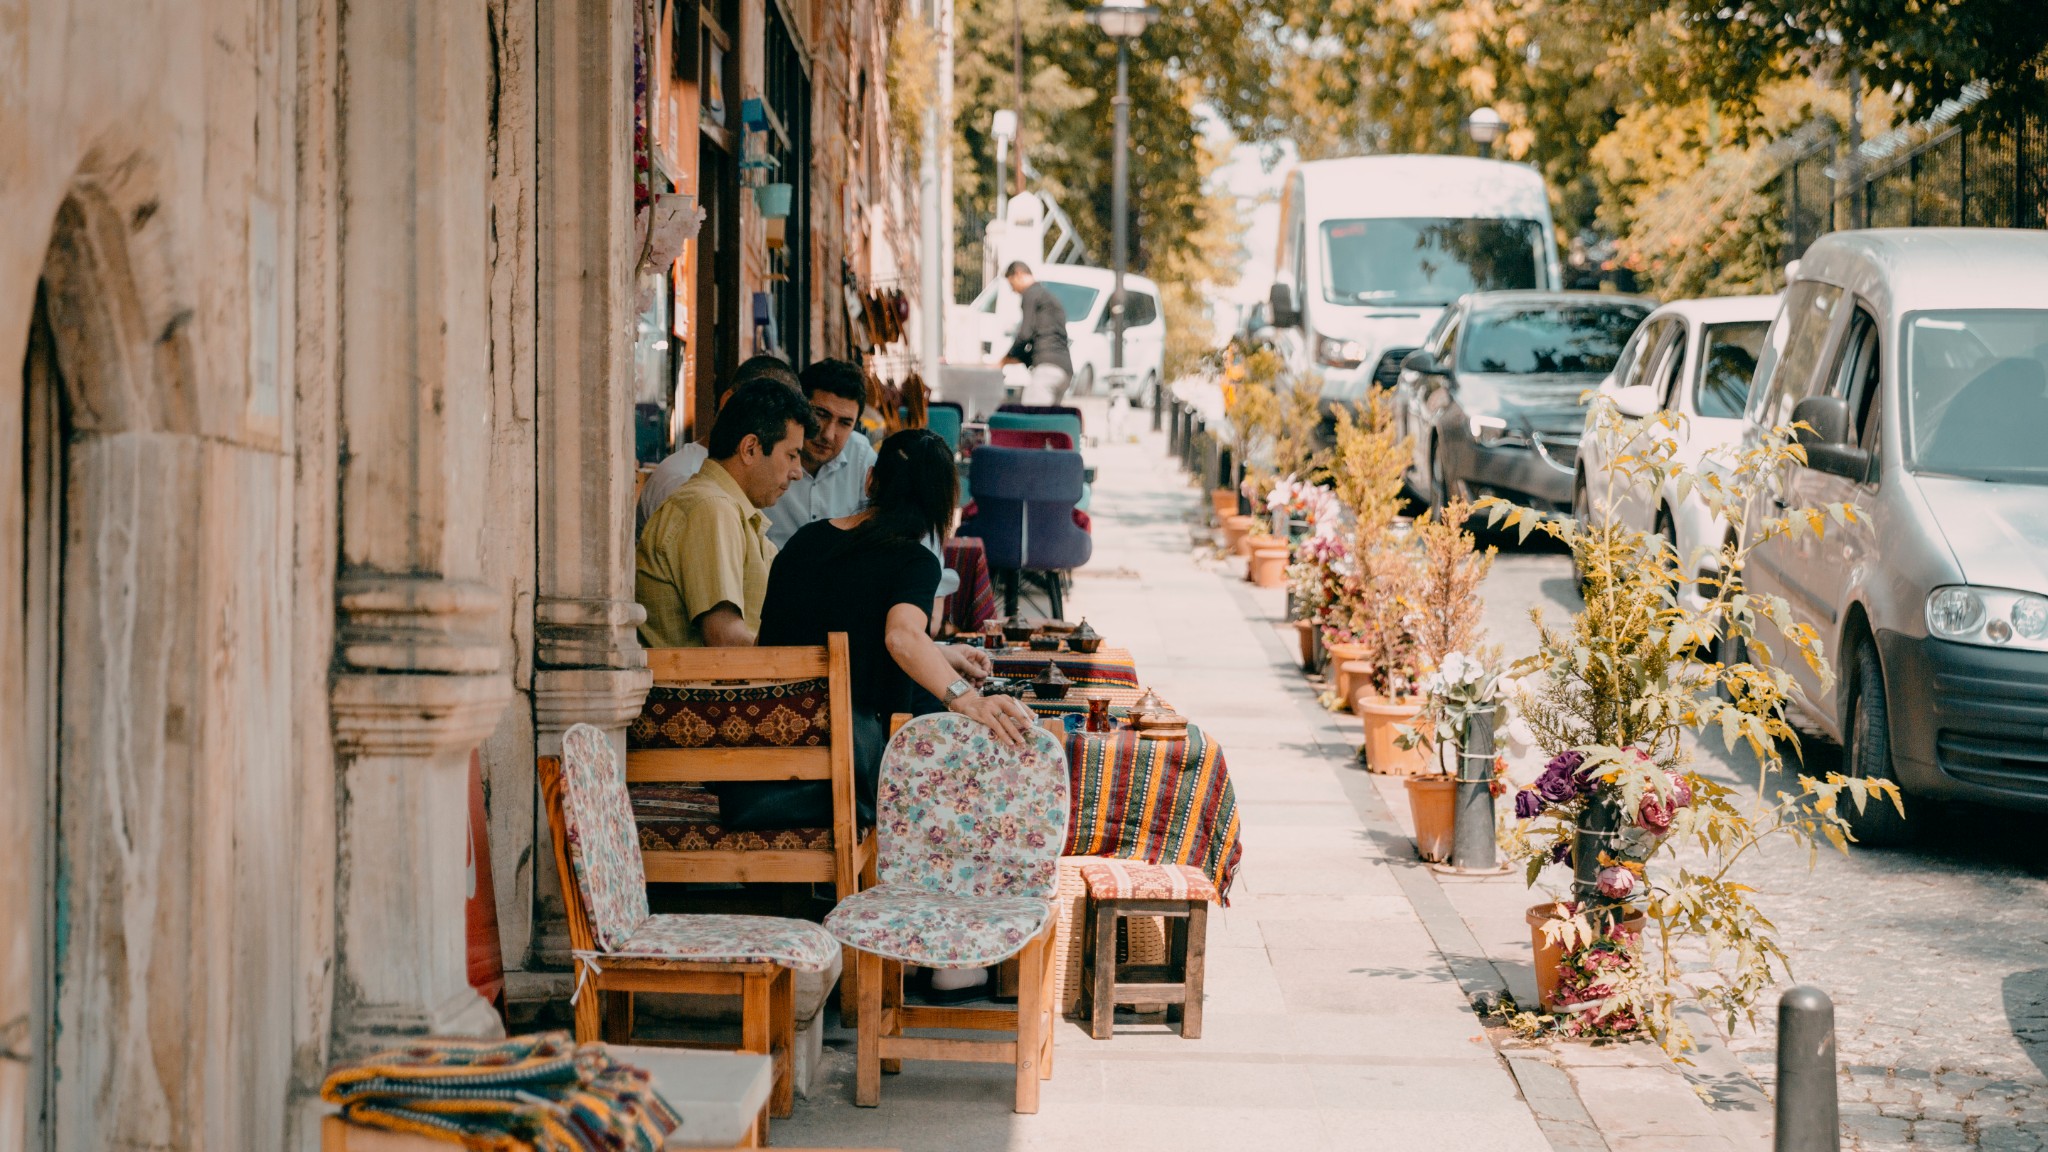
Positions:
{"x": 960, "y": 888}
{"x": 620, "y": 949}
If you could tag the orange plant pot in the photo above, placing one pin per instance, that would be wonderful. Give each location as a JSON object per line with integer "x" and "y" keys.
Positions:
{"x": 1235, "y": 529}
{"x": 1268, "y": 568}
{"x": 1548, "y": 954}
{"x": 1224, "y": 501}
{"x": 1380, "y": 717}
{"x": 1255, "y": 540}
{"x": 1346, "y": 679}
{"x": 1305, "y": 638}
{"x": 1433, "y": 800}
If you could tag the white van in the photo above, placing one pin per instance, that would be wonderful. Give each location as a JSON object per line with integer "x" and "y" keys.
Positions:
{"x": 1372, "y": 249}
{"x": 1084, "y": 292}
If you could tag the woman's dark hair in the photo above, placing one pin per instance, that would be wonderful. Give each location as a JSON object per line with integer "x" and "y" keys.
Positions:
{"x": 913, "y": 490}
{"x": 763, "y": 409}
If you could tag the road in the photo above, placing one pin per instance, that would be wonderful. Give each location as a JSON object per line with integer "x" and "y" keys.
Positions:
{"x": 1936, "y": 954}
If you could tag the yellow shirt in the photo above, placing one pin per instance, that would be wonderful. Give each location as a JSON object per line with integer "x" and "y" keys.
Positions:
{"x": 706, "y": 545}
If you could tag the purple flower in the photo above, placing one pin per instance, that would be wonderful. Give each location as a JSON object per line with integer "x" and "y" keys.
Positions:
{"x": 1560, "y": 780}
{"x": 1561, "y": 852}
{"x": 1528, "y": 805}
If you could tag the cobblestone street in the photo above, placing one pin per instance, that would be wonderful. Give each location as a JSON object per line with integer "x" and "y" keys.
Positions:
{"x": 1936, "y": 954}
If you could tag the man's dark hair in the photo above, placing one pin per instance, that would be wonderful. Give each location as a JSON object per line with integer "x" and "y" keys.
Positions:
{"x": 762, "y": 367}
{"x": 1015, "y": 267}
{"x": 841, "y": 378}
{"x": 763, "y": 409}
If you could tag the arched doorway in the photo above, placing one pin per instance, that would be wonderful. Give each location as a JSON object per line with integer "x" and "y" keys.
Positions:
{"x": 112, "y": 556}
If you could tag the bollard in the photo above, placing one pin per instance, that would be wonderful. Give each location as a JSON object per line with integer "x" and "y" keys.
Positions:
{"x": 1808, "y": 1119}
{"x": 1472, "y": 837}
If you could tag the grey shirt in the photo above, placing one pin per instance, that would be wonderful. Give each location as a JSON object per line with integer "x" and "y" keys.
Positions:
{"x": 1041, "y": 330}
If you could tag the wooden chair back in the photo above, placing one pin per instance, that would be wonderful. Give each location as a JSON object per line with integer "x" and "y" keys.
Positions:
{"x": 581, "y": 938}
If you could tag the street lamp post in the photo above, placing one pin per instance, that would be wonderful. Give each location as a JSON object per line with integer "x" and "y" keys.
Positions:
{"x": 1484, "y": 126}
{"x": 1003, "y": 126}
{"x": 1122, "y": 21}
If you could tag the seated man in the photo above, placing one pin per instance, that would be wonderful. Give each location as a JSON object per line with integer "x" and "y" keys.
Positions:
{"x": 684, "y": 462}
{"x": 701, "y": 568}
{"x": 836, "y": 458}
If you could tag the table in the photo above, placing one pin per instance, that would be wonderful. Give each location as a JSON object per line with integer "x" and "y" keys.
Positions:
{"x": 1160, "y": 801}
{"x": 1105, "y": 668}
{"x": 975, "y": 603}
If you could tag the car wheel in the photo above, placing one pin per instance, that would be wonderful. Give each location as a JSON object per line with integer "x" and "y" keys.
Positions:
{"x": 1439, "y": 488}
{"x": 1868, "y": 751}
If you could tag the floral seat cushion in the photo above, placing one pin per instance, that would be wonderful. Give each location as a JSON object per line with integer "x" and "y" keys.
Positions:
{"x": 961, "y": 814}
{"x": 937, "y": 930}
{"x": 714, "y": 939}
{"x": 1136, "y": 880}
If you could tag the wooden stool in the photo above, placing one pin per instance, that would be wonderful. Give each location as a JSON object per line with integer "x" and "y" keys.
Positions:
{"x": 1120, "y": 888}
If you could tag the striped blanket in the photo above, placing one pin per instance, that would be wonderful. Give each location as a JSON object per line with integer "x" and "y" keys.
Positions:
{"x": 1107, "y": 668}
{"x": 1160, "y": 801}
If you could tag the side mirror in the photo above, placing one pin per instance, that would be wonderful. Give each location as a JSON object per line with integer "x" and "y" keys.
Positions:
{"x": 1280, "y": 304}
{"x": 1826, "y": 416}
{"x": 1635, "y": 401}
{"x": 1844, "y": 460}
{"x": 1422, "y": 361}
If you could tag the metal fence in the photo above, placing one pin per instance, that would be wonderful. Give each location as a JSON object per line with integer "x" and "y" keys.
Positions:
{"x": 1972, "y": 172}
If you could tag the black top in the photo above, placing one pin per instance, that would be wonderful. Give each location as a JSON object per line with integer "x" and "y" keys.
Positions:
{"x": 1041, "y": 329}
{"x": 826, "y": 580}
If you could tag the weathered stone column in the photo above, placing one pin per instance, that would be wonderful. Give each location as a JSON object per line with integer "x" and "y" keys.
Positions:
{"x": 419, "y": 640}
{"x": 588, "y": 666}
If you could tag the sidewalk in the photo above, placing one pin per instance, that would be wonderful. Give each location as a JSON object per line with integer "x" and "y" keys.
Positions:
{"x": 1334, "y": 1018}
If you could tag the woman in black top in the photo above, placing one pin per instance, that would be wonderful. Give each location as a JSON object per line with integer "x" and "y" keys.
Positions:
{"x": 871, "y": 576}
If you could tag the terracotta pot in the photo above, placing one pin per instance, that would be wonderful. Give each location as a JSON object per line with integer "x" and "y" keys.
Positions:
{"x": 1434, "y": 802}
{"x": 1235, "y": 529}
{"x": 1253, "y": 541}
{"x": 1340, "y": 655}
{"x": 1305, "y": 638}
{"x": 1380, "y": 717}
{"x": 1268, "y": 568}
{"x": 1546, "y": 953}
{"x": 1224, "y": 501}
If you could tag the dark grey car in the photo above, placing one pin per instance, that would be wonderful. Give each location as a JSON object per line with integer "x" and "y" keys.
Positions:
{"x": 1491, "y": 401}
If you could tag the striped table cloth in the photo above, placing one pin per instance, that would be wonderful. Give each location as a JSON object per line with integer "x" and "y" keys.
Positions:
{"x": 1160, "y": 801}
{"x": 1105, "y": 668}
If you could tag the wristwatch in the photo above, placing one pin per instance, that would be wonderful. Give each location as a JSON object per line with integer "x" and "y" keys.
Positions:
{"x": 954, "y": 691}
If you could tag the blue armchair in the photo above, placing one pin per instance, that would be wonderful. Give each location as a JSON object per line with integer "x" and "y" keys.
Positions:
{"x": 1024, "y": 513}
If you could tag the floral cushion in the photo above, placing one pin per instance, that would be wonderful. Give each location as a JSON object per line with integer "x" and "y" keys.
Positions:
{"x": 604, "y": 847}
{"x": 961, "y": 814}
{"x": 938, "y": 930}
{"x": 1135, "y": 880}
{"x": 798, "y": 945}
{"x": 786, "y": 715}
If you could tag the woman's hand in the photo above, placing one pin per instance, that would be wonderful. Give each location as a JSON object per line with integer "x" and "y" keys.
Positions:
{"x": 1006, "y": 717}
{"x": 969, "y": 661}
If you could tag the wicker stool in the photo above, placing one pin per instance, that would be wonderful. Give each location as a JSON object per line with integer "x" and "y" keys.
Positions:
{"x": 1120, "y": 888}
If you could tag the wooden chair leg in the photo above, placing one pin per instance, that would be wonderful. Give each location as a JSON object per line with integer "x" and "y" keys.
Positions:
{"x": 615, "y": 1011}
{"x": 1191, "y": 972}
{"x": 756, "y": 1034}
{"x": 1102, "y": 974}
{"x": 782, "y": 1010}
{"x": 892, "y": 1003}
{"x": 589, "y": 1007}
{"x": 849, "y": 988}
{"x": 1030, "y": 1023}
{"x": 867, "y": 1080}
{"x": 1051, "y": 1000}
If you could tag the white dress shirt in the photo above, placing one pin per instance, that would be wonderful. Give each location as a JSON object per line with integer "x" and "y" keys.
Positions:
{"x": 839, "y": 489}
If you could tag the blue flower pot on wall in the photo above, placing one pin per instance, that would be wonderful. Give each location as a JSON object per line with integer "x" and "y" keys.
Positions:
{"x": 774, "y": 199}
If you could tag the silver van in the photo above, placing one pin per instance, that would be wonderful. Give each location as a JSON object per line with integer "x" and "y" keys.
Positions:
{"x": 1920, "y": 359}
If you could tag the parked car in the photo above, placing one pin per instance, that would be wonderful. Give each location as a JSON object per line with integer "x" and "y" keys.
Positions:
{"x": 1085, "y": 292}
{"x": 1920, "y": 359}
{"x": 1694, "y": 358}
{"x": 1491, "y": 401}
{"x": 1372, "y": 249}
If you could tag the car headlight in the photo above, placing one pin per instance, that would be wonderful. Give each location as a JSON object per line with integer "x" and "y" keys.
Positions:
{"x": 1334, "y": 353}
{"x": 1493, "y": 432}
{"x": 1995, "y": 617}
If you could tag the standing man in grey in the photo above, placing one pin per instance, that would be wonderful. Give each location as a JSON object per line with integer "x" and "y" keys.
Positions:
{"x": 1041, "y": 343}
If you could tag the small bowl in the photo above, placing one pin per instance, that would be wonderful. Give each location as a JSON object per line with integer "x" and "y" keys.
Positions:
{"x": 1018, "y": 633}
{"x": 1086, "y": 645}
{"x": 1045, "y": 643}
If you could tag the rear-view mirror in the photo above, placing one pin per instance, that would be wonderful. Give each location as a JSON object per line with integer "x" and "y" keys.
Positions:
{"x": 1422, "y": 361}
{"x": 1826, "y": 419}
{"x": 1280, "y": 306}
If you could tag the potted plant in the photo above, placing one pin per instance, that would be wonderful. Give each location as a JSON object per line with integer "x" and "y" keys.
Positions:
{"x": 1459, "y": 691}
{"x": 1385, "y": 621}
{"x": 1371, "y": 602}
{"x": 1646, "y": 840}
{"x": 1313, "y": 583}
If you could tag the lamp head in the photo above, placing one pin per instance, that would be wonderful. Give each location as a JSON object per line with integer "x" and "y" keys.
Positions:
{"x": 1123, "y": 19}
{"x": 1003, "y": 124}
{"x": 1484, "y": 126}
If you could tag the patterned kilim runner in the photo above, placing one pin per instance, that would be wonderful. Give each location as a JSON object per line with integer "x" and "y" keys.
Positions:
{"x": 1160, "y": 801}
{"x": 1106, "y": 668}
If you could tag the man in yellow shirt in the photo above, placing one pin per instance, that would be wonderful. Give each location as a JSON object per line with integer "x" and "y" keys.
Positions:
{"x": 701, "y": 568}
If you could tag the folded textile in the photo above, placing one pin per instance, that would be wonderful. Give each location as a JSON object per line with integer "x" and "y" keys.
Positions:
{"x": 541, "y": 1092}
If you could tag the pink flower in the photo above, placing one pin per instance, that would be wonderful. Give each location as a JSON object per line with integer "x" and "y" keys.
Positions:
{"x": 1654, "y": 814}
{"x": 1617, "y": 882}
{"x": 1681, "y": 789}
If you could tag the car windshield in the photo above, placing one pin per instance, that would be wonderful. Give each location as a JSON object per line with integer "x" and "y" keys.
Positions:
{"x": 1977, "y": 394}
{"x": 1427, "y": 261}
{"x": 1077, "y": 299}
{"x": 1730, "y": 361}
{"x": 1527, "y": 339}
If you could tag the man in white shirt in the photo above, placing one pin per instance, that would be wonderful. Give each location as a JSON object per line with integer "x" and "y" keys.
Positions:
{"x": 836, "y": 461}
{"x": 684, "y": 462}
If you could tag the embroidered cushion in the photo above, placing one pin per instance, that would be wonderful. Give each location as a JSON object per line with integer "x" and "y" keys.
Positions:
{"x": 784, "y": 715}
{"x": 937, "y": 930}
{"x": 963, "y": 815}
{"x": 1135, "y": 880}
{"x": 719, "y": 939}
{"x": 604, "y": 847}
{"x": 668, "y": 836}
